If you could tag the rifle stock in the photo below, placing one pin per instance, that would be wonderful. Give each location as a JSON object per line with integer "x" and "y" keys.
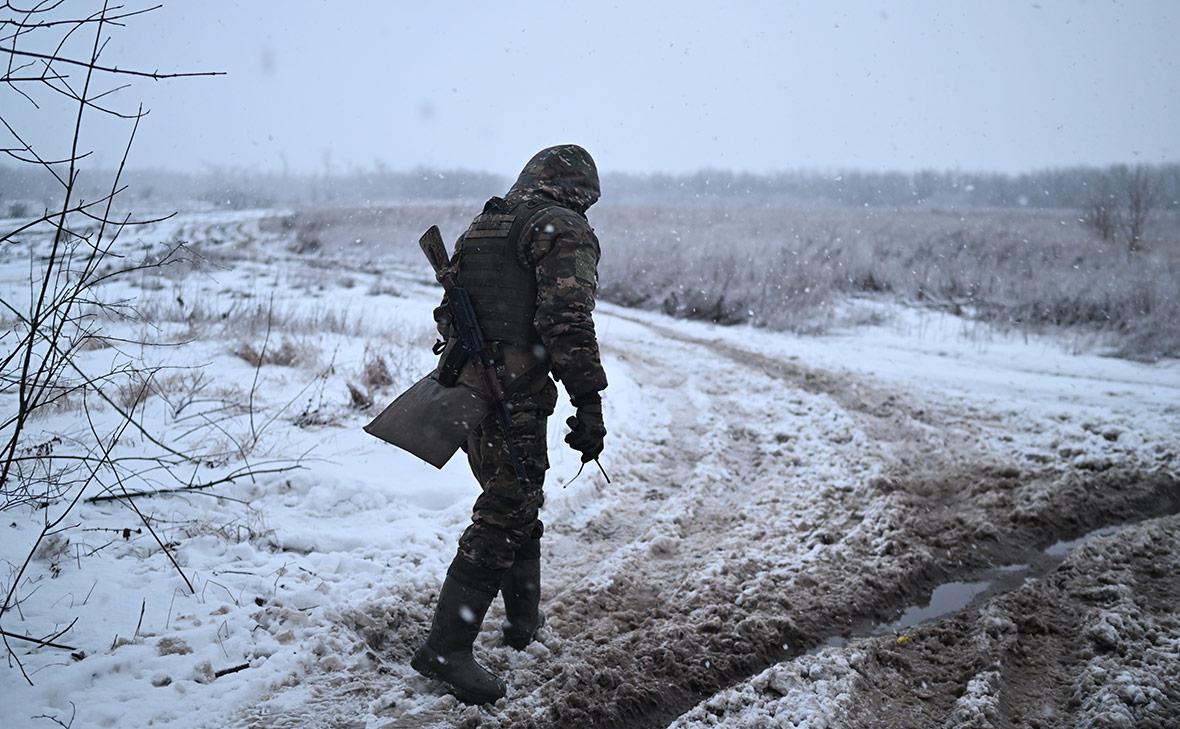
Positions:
{"x": 432, "y": 245}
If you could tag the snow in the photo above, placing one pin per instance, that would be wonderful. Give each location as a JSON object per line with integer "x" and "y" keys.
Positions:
{"x": 308, "y": 573}
{"x": 1084, "y": 406}
{"x": 811, "y": 693}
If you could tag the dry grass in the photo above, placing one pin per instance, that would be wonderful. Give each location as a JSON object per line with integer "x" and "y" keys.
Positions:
{"x": 777, "y": 267}
{"x": 793, "y": 268}
{"x": 249, "y": 318}
{"x": 381, "y": 288}
{"x": 376, "y": 375}
{"x": 131, "y": 393}
{"x": 93, "y": 344}
{"x": 287, "y": 354}
{"x": 789, "y": 269}
{"x": 358, "y": 398}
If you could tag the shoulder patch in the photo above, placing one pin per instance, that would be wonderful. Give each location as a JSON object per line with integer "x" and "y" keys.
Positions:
{"x": 585, "y": 267}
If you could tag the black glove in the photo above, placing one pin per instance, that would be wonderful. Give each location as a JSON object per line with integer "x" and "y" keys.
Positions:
{"x": 587, "y": 431}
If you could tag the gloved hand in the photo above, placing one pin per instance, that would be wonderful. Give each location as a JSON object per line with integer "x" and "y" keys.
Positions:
{"x": 587, "y": 431}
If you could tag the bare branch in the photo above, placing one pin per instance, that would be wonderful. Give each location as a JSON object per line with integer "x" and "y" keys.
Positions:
{"x": 148, "y": 524}
{"x": 110, "y": 69}
{"x": 38, "y": 641}
{"x": 232, "y": 478}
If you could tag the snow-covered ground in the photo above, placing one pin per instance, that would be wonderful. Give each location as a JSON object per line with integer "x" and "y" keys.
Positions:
{"x": 769, "y": 492}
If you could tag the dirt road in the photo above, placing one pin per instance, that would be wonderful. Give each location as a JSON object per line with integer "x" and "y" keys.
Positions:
{"x": 763, "y": 508}
{"x": 1091, "y": 644}
{"x": 837, "y": 531}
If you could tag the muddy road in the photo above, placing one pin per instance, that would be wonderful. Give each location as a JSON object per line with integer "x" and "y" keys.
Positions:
{"x": 876, "y": 527}
{"x": 1091, "y": 644}
{"x": 732, "y": 571}
{"x": 764, "y": 508}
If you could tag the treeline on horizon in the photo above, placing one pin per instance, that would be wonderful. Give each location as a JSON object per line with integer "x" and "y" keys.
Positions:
{"x": 26, "y": 188}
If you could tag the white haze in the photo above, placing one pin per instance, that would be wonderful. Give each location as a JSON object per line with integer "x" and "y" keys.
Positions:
{"x": 671, "y": 86}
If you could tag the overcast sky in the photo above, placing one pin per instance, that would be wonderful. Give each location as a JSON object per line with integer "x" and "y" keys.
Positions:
{"x": 670, "y": 86}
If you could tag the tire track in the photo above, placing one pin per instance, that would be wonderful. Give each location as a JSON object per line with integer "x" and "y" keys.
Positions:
{"x": 742, "y": 591}
{"x": 800, "y": 503}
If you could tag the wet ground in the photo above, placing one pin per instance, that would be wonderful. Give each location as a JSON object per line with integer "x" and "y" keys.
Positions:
{"x": 896, "y": 529}
{"x": 808, "y": 509}
{"x": 956, "y": 595}
{"x": 1092, "y": 643}
{"x": 908, "y": 525}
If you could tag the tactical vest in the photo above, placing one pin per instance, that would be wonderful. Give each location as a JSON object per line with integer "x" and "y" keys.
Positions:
{"x": 503, "y": 291}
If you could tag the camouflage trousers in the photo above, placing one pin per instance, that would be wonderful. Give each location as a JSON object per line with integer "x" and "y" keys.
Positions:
{"x": 505, "y": 524}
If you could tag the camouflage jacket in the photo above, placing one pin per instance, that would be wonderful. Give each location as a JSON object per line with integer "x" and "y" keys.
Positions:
{"x": 563, "y": 251}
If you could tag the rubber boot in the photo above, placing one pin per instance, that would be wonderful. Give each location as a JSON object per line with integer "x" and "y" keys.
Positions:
{"x": 521, "y": 588}
{"x": 446, "y": 654}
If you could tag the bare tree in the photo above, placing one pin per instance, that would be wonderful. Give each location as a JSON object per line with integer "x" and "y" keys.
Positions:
{"x": 1142, "y": 192}
{"x": 1102, "y": 213}
{"x": 76, "y": 249}
{"x": 1122, "y": 204}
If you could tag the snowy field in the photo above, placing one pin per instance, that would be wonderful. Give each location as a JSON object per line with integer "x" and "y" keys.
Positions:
{"x": 866, "y": 528}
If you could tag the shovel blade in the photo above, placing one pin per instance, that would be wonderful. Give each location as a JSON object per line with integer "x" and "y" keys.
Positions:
{"x": 429, "y": 420}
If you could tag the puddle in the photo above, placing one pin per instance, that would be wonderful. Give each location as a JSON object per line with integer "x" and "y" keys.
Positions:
{"x": 1060, "y": 549}
{"x": 1013, "y": 568}
{"x": 835, "y": 641}
{"x": 970, "y": 590}
{"x": 949, "y": 597}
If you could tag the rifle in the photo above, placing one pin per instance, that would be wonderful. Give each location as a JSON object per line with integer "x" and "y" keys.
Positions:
{"x": 471, "y": 339}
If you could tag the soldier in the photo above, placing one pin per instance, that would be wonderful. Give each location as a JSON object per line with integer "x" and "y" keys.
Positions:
{"x": 529, "y": 261}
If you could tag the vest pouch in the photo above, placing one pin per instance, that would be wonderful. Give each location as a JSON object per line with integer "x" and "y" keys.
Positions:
{"x": 451, "y": 362}
{"x": 521, "y": 367}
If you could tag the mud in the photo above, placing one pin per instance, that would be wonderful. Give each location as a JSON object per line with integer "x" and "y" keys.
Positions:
{"x": 782, "y": 509}
{"x": 843, "y": 599}
{"x": 1095, "y": 643}
{"x": 723, "y": 594}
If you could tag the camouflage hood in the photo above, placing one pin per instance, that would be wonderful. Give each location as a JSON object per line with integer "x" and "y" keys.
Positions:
{"x": 565, "y": 174}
